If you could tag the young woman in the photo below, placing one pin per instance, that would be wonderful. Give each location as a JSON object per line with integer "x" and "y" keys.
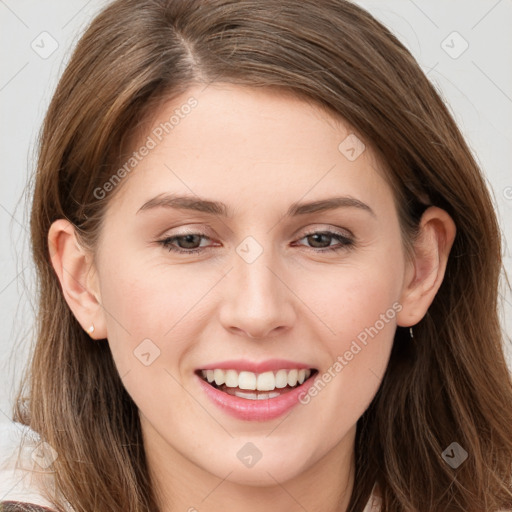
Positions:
{"x": 268, "y": 269}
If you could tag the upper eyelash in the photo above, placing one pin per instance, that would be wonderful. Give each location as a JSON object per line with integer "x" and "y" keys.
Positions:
{"x": 347, "y": 242}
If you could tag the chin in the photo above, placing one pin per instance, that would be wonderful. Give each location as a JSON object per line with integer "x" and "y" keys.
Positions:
{"x": 263, "y": 470}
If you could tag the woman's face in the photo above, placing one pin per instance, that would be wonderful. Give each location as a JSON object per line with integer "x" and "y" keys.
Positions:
{"x": 260, "y": 291}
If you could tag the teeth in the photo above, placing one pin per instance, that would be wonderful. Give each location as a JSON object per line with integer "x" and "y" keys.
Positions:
{"x": 281, "y": 379}
{"x": 267, "y": 381}
{"x": 256, "y": 396}
{"x": 219, "y": 377}
{"x": 231, "y": 379}
{"x": 246, "y": 380}
{"x": 293, "y": 377}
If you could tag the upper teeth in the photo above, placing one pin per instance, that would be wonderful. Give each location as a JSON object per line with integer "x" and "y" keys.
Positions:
{"x": 266, "y": 381}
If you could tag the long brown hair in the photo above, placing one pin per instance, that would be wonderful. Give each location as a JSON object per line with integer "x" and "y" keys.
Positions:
{"x": 449, "y": 383}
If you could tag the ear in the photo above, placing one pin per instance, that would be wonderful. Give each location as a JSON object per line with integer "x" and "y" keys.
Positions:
{"x": 425, "y": 272}
{"x": 77, "y": 276}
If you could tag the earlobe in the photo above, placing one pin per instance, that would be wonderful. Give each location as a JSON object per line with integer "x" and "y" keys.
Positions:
{"x": 77, "y": 277}
{"x": 426, "y": 271}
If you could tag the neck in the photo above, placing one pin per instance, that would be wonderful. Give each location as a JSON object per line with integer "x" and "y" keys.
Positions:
{"x": 180, "y": 484}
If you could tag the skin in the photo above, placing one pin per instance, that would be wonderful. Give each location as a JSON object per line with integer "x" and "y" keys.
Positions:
{"x": 258, "y": 152}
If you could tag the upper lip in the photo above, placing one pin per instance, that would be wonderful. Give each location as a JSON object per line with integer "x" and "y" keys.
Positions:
{"x": 256, "y": 367}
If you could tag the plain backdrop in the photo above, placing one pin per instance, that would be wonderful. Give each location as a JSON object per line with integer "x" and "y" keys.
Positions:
{"x": 464, "y": 46}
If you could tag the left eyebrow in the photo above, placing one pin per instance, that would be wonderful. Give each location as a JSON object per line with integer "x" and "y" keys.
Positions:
{"x": 195, "y": 203}
{"x": 330, "y": 203}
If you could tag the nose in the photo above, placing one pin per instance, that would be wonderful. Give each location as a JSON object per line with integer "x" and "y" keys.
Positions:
{"x": 257, "y": 300}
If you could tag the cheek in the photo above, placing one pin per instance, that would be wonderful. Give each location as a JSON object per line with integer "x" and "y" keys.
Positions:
{"x": 153, "y": 307}
{"x": 369, "y": 303}
{"x": 144, "y": 302}
{"x": 355, "y": 299}
{"x": 149, "y": 331}
{"x": 359, "y": 306}
{"x": 367, "y": 298}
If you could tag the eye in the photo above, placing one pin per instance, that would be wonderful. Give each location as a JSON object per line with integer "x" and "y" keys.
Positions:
{"x": 319, "y": 239}
{"x": 187, "y": 243}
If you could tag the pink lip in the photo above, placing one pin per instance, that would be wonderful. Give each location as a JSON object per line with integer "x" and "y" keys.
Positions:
{"x": 250, "y": 366}
{"x": 255, "y": 410}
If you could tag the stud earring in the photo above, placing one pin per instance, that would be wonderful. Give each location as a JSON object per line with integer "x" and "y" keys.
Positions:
{"x": 91, "y": 329}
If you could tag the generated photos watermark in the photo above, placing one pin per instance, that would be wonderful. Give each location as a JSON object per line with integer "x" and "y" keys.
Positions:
{"x": 355, "y": 348}
{"x": 157, "y": 135}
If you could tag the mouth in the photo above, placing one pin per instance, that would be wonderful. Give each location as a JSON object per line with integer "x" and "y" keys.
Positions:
{"x": 248, "y": 385}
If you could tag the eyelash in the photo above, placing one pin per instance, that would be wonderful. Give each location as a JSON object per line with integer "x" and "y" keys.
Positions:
{"x": 347, "y": 243}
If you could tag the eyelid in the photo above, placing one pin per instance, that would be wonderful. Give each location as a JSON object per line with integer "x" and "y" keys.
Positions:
{"x": 303, "y": 231}
{"x": 345, "y": 242}
{"x": 325, "y": 227}
{"x": 187, "y": 230}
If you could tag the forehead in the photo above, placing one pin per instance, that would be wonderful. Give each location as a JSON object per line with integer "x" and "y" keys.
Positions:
{"x": 245, "y": 145}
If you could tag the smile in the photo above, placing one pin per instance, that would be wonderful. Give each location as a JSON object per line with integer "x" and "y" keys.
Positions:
{"x": 255, "y": 391}
{"x": 264, "y": 386}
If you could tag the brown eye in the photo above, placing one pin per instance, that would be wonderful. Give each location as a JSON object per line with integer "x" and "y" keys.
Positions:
{"x": 321, "y": 241}
{"x": 186, "y": 243}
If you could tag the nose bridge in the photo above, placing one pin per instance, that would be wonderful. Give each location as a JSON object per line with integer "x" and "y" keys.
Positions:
{"x": 257, "y": 302}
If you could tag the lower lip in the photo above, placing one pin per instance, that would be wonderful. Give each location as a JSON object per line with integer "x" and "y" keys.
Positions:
{"x": 256, "y": 410}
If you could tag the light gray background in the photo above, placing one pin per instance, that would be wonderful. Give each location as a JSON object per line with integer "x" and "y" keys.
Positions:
{"x": 477, "y": 85}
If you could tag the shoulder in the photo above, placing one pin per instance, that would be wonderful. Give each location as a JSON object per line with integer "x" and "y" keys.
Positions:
{"x": 22, "y": 478}
{"x": 375, "y": 502}
{"x": 18, "y": 506}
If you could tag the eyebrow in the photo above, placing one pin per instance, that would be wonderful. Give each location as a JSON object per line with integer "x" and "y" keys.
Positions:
{"x": 195, "y": 203}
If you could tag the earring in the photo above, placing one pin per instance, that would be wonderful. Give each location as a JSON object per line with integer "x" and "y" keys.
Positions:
{"x": 91, "y": 329}
{"x": 411, "y": 333}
